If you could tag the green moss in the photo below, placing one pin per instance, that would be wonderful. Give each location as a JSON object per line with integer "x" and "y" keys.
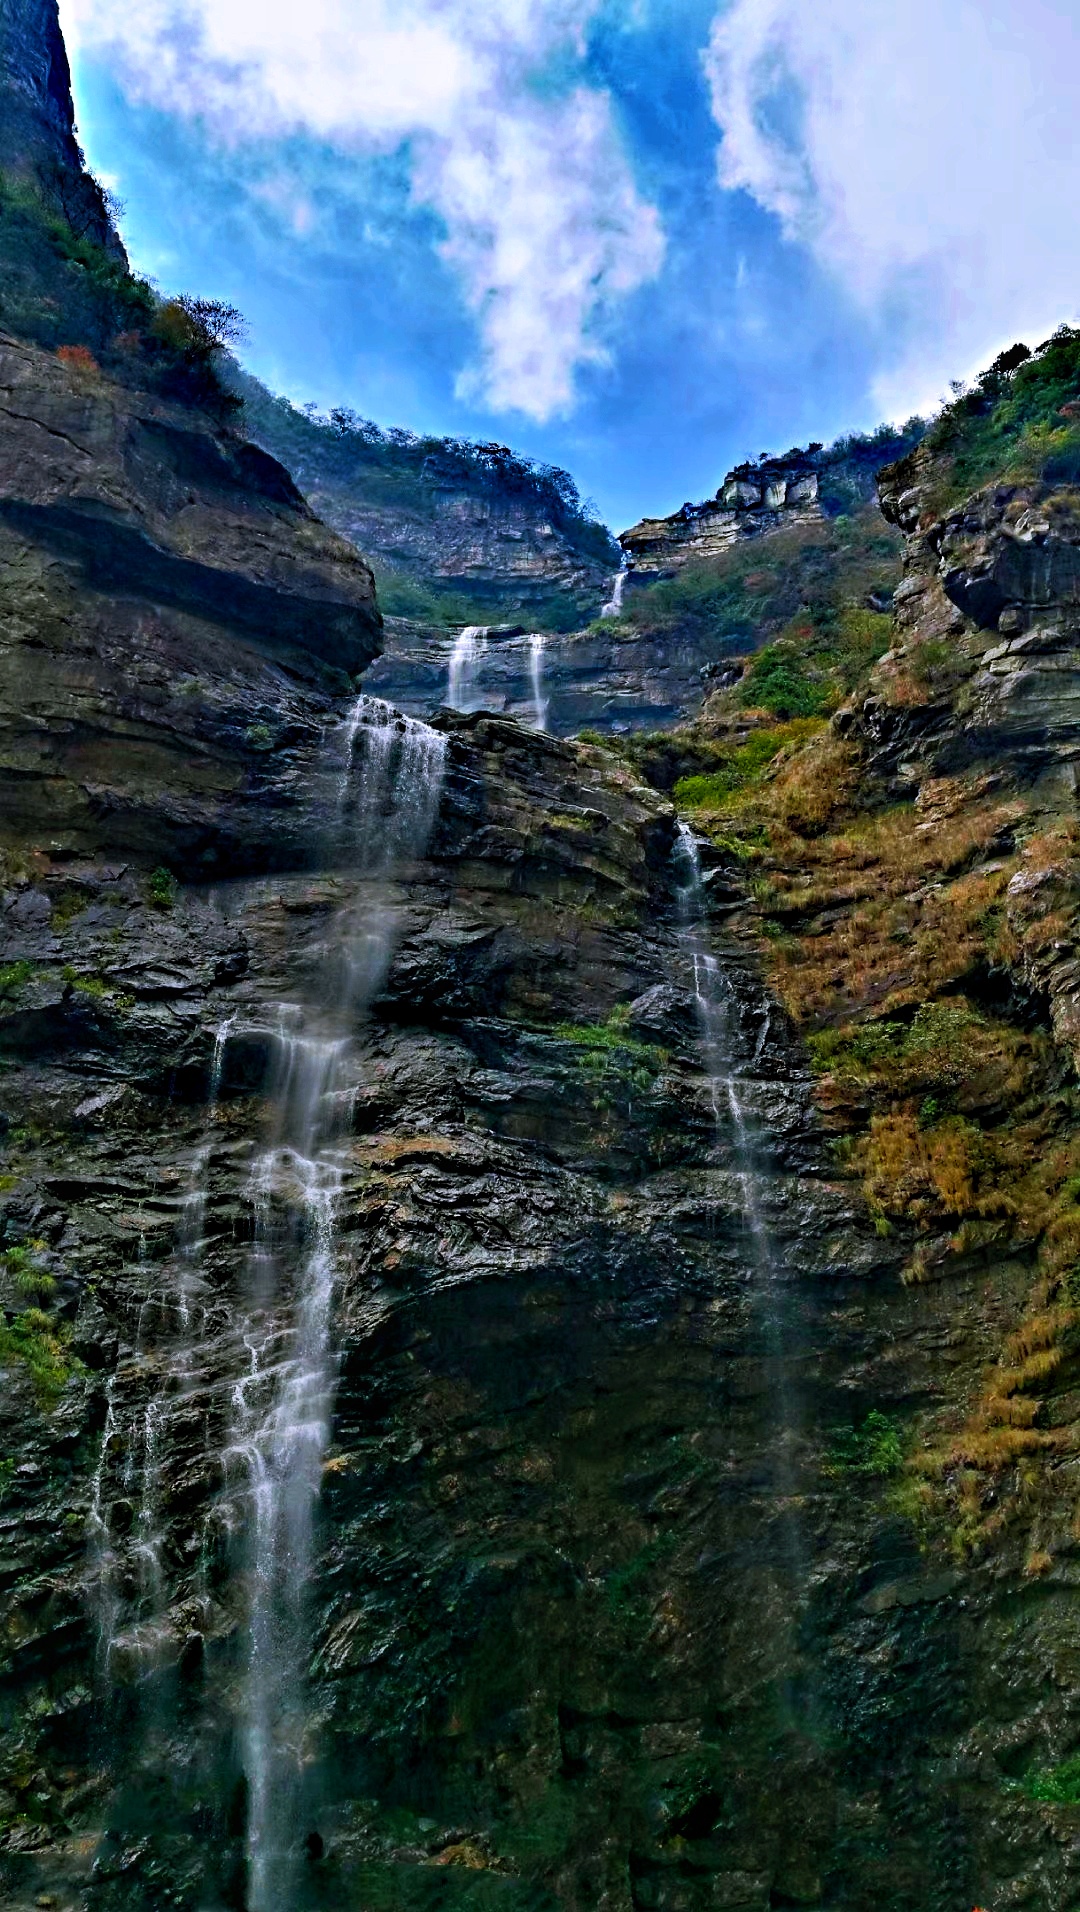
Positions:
{"x": 13, "y": 976}
{"x": 1053, "y": 1785}
{"x": 41, "y": 1344}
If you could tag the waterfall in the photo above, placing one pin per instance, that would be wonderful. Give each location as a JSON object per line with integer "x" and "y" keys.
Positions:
{"x": 613, "y": 607}
{"x": 462, "y": 689}
{"x": 717, "y": 1015}
{"x": 536, "y": 674}
{"x": 282, "y": 1404}
{"x": 270, "y": 1342}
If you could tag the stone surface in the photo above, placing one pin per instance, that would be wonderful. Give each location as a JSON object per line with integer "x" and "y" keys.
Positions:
{"x": 421, "y": 514}
{"x": 752, "y": 499}
{"x": 611, "y": 679}
{"x": 175, "y": 622}
{"x": 37, "y": 117}
{"x": 600, "y": 1614}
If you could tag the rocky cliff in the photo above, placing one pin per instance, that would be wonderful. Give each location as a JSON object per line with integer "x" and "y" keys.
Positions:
{"x": 790, "y": 549}
{"x": 37, "y": 120}
{"x": 457, "y": 531}
{"x": 756, "y": 498}
{"x": 539, "y": 1330}
{"x": 176, "y": 624}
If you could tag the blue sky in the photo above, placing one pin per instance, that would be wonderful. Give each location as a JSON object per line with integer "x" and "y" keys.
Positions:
{"x": 641, "y": 238}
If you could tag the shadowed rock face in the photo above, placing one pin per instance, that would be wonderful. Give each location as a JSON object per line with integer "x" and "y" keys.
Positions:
{"x": 37, "y": 117}
{"x": 604, "y": 1611}
{"x": 176, "y": 622}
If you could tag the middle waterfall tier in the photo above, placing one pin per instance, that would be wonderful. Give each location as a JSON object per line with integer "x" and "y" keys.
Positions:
{"x": 235, "y": 1353}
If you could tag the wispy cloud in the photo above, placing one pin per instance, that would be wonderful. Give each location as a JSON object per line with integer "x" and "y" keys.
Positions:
{"x": 926, "y": 153}
{"x": 544, "y": 225}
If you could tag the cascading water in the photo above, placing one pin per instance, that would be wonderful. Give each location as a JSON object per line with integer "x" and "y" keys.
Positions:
{"x": 462, "y": 688}
{"x": 613, "y": 607}
{"x": 282, "y": 1405}
{"x": 536, "y": 676}
{"x": 385, "y": 779}
{"x": 717, "y": 1014}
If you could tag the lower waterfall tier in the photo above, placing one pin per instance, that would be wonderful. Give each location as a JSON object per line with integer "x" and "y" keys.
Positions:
{"x": 592, "y": 1620}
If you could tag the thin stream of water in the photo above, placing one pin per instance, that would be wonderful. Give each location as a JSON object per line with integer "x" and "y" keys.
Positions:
{"x": 613, "y": 606}
{"x": 717, "y": 1015}
{"x": 282, "y": 1406}
{"x": 536, "y": 676}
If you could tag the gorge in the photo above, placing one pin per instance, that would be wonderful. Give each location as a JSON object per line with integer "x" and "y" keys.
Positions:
{"x": 539, "y": 1273}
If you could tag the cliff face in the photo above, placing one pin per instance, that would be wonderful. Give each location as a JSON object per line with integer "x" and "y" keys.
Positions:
{"x": 176, "y": 623}
{"x": 447, "y": 525}
{"x": 610, "y": 678}
{"x": 752, "y": 499}
{"x": 37, "y": 117}
{"x": 540, "y": 1347}
{"x": 790, "y": 549}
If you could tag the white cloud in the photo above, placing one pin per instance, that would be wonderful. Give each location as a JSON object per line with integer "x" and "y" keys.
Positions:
{"x": 926, "y": 152}
{"x": 544, "y": 225}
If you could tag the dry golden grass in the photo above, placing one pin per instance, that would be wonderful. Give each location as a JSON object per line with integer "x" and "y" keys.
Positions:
{"x": 962, "y": 1124}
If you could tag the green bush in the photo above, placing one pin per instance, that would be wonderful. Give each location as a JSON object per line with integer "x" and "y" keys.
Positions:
{"x": 875, "y": 1449}
{"x": 778, "y": 681}
{"x": 161, "y": 889}
{"x": 1011, "y": 423}
{"x": 1053, "y": 1785}
{"x": 743, "y": 766}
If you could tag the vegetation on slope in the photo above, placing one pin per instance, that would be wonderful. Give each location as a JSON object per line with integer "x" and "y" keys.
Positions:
{"x": 349, "y": 462}
{"x": 1019, "y": 420}
{"x": 62, "y": 289}
{"x": 907, "y": 939}
{"x": 814, "y": 594}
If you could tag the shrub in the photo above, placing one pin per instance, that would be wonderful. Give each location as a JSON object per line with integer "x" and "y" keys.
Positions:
{"x": 161, "y": 889}
{"x": 1053, "y": 1785}
{"x": 1014, "y": 421}
{"x": 616, "y": 1067}
{"x": 41, "y": 1344}
{"x": 742, "y": 767}
{"x": 875, "y": 1448}
{"x": 79, "y": 357}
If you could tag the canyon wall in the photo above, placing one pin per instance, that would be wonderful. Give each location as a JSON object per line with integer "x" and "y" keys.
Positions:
{"x": 658, "y": 1377}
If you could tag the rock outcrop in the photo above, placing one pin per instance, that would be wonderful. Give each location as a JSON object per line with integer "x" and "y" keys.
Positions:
{"x": 610, "y": 678}
{"x": 443, "y": 520}
{"x": 37, "y": 118}
{"x": 176, "y": 623}
{"x": 752, "y": 499}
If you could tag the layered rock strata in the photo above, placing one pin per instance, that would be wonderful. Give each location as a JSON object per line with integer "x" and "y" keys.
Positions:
{"x": 176, "y": 623}
{"x": 612, "y": 679}
{"x": 752, "y": 499}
